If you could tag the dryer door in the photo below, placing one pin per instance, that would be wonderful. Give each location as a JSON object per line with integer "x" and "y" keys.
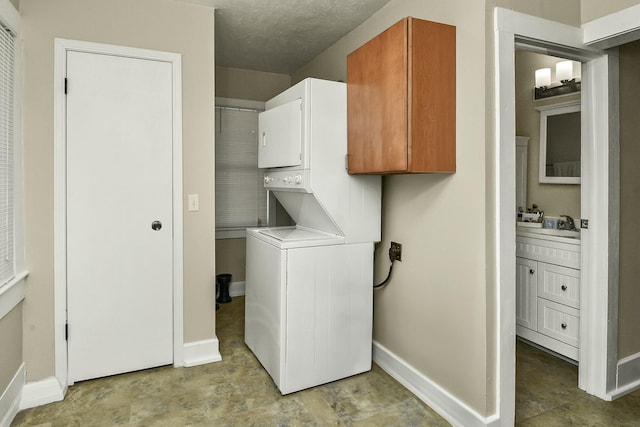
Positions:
{"x": 280, "y": 136}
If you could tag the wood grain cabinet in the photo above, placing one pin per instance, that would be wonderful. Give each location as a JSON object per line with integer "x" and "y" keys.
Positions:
{"x": 401, "y": 100}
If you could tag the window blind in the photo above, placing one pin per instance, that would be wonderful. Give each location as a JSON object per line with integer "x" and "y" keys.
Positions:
{"x": 7, "y": 66}
{"x": 241, "y": 200}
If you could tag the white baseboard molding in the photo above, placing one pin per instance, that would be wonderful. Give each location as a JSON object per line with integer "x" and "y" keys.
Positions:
{"x": 37, "y": 393}
{"x": 440, "y": 400}
{"x": 10, "y": 399}
{"x": 628, "y": 376}
{"x": 201, "y": 352}
{"x": 237, "y": 289}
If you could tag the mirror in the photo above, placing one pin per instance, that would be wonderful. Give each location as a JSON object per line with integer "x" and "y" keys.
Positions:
{"x": 560, "y": 143}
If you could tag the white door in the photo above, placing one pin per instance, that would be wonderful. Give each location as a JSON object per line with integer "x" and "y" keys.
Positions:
{"x": 119, "y": 214}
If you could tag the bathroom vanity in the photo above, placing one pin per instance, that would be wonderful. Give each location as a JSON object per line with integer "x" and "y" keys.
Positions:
{"x": 548, "y": 289}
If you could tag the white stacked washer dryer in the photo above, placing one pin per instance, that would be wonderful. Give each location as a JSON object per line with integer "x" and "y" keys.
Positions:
{"x": 309, "y": 298}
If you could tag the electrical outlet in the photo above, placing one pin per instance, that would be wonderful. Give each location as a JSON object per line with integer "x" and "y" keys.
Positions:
{"x": 395, "y": 252}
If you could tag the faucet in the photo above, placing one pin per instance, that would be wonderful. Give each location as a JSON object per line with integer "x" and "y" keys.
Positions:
{"x": 567, "y": 224}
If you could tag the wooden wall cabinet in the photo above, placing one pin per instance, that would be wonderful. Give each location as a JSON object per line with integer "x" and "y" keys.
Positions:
{"x": 401, "y": 100}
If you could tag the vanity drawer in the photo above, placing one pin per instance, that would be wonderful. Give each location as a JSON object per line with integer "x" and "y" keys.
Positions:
{"x": 559, "y": 284}
{"x": 559, "y": 321}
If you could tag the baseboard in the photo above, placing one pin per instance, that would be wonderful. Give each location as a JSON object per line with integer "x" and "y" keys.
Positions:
{"x": 440, "y": 400}
{"x": 201, "y": 352}
{"x": 237, "y": 289}
{"x": 10, "y": 399}
{"x": 41, "y": 392}
{"x": 628, "y": 376}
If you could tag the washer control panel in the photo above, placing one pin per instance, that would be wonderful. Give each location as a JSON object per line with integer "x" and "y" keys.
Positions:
{"x": 293, "y": 180}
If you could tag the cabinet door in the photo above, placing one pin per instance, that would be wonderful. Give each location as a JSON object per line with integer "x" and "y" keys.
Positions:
{"x": 377, "y": 103}
{"x": 526, "y": 293}
{"x": 401, "y": 100}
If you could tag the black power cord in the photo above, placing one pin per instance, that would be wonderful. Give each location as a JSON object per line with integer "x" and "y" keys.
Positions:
{"x": 395, "y": 252}
{"x": 380, "y": 285}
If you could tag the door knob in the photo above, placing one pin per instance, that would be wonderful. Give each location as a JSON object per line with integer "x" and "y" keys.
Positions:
{"x": 156, "y": 225}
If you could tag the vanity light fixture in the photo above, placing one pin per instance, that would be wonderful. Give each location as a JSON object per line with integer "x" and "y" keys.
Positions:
{"x": 566, "y": 83}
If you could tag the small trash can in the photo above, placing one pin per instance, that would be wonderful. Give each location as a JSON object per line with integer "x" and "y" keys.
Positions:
{"x": 222, "y": 288}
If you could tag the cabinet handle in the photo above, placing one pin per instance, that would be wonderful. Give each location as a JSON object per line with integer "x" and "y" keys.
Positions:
{"x": 564, "y": 326}
{"x": 531, "y": 271}
{"x": 563, "y": 287}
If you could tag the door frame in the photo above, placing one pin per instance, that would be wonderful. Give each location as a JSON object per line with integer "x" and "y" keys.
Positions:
{"x": 598, "y": 327}
{"x": 62, "y": 46}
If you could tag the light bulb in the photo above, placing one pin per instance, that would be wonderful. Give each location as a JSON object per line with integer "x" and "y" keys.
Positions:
{"x": 543, "y": 77}
{"x": 564, "y": 71}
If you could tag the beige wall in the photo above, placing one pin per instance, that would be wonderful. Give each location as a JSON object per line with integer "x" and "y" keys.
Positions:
{"x": 629, "y": 297}
{"x": 553, "y": 199}
{"x": 433, "y": 313}
{"x": 593, "y": 9}
{"x": 248, "y": 84}
{"x": 152, "y": 24}
{"x": 10, "y": 346}
{"x": 231, "y": 258}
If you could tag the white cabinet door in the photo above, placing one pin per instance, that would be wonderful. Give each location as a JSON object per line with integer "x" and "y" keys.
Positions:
{"x": 526, "y": 293}
{"x": 280, "y": 136}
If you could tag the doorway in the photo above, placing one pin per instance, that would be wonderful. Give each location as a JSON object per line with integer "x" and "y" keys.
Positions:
{"x": 118, "y": 210}
{"x": 597, "y": 330}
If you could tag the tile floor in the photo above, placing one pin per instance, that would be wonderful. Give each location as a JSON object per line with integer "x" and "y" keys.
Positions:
{"x": 238, "y": 392}
{"x": 547, "y": 395}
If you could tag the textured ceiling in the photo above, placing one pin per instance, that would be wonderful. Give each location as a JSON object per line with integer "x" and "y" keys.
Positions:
{"x": 280, "y": 36}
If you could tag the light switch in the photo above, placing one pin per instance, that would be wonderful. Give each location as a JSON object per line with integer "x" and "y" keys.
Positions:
{"x": 194, "y": 204}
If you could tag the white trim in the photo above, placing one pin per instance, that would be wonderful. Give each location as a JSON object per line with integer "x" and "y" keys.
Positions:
{"x": 526, "y": 26}
{"x": 628, "y": 374}
{"x": 12, "y": 293}
{"x": 436, "y": 397}
{"x": 10, "y": 399}
{"x": 201, "y": 352}
{"x": 600, "y": 205}
{"x": 60, "y": 291}
{"x": 624, "y": 390}
{"x": 613, "y": 30}
{"x": 10, "y": 16}
{"x": 37, "y": 393}
{"x": 237, "y": 289}
{"x": 505, "y": 260}
{"x": 511, "y": 27}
